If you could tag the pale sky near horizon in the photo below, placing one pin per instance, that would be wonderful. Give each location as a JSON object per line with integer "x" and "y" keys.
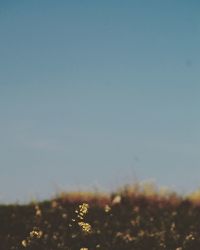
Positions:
{"x": 97, "y": 94}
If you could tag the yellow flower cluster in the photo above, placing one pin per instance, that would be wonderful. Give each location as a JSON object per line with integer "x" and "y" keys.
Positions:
{"x": 81, "y": 212}
{"x": 86, "y": 227}
{"x": 34, "y": 234}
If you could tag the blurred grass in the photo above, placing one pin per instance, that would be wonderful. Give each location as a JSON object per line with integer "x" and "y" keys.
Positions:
{"x": 139, "y": 216}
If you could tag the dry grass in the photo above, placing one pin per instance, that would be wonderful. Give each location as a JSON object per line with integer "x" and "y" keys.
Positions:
{"x": 138, "y": 217}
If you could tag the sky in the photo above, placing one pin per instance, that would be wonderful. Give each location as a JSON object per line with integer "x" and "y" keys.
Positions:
{"x": 97, "y": 94}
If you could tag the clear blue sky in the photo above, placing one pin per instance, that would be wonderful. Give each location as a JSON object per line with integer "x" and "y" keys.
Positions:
{"x": 98, "y": 93}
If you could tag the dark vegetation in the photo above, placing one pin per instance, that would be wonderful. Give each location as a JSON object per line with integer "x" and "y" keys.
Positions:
{"x": 124, "y": 220}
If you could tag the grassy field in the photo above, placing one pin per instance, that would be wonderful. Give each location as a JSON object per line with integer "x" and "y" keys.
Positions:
{"x": 127, "y": 219}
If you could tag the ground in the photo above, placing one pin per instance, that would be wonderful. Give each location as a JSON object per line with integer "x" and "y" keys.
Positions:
{"x": 120, "y": 221}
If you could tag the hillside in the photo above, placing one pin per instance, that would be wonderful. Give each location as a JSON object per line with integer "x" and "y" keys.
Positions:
{"x": 124, "y": 220}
